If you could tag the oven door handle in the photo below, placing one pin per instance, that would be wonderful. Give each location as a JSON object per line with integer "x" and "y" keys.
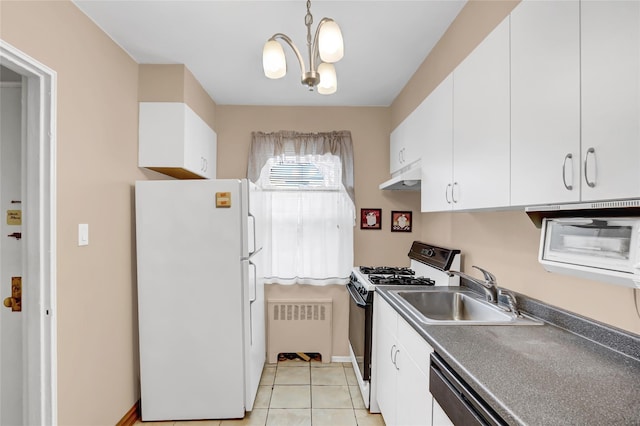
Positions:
{"x": 357, "y": 297}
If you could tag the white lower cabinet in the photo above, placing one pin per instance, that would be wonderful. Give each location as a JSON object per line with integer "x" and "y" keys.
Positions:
{"x": 440, "y": 418}
{"x": 402, "y": 369}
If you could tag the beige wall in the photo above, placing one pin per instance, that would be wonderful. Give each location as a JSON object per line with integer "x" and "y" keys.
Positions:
{"x": 370, "y": 132}
{"x": 175, "y": 83}
{"x": 96, "y": 167}
{"x": 476, "y": 19}
{"x": 506, "y": 243}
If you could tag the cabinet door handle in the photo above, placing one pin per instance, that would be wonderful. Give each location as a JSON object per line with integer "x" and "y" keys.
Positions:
{"x": 452, "y": 189}
{"x": 586, "y": 177}
{"x": 446, "y": 193}
{"x": 569, "y": 156}
{"x": 395, "y": 360}
{"x": 391, "y": 354}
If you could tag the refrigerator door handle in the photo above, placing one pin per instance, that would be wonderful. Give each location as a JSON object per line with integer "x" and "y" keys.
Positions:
{"x": 253, "y": 288}
{"x": 253, "y": 225}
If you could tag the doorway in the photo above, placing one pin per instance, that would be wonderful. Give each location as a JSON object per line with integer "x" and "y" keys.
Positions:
{"x": 11, "y": 326}
{"x": 27, "y": 194}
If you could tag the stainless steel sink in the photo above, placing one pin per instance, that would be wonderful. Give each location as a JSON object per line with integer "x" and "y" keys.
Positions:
{"x": 447, "y": 307}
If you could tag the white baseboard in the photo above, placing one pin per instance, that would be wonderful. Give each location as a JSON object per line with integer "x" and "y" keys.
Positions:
{"x": 341, "y": 359}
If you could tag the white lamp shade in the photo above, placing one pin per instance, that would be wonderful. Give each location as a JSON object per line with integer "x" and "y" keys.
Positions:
{"x": 273, "y": 60}
{"x": 330, "y": 43}
{"x": 328, "y": 79}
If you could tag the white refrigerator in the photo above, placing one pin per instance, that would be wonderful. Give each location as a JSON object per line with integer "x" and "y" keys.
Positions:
{"x": 200, "y": 298}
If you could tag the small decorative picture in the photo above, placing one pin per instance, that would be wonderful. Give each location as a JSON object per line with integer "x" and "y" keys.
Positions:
{"x": 400, "y": 221}
{"x": 370, "y": 218}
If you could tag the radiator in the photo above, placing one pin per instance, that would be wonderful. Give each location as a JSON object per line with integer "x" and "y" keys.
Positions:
{"x": 299, "y": 326}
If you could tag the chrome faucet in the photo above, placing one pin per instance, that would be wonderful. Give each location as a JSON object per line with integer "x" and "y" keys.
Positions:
{"x": 489, "y": 285}
{"x": 512, "y": 303}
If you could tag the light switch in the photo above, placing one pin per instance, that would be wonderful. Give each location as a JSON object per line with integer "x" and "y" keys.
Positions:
{"x": 83, "y": 234}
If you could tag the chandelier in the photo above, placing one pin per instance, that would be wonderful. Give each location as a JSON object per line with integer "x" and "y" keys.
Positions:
{"x": 326, "y": 47}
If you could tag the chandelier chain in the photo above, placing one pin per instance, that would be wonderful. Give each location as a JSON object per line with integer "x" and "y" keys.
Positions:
{"x": 308, "y": 21}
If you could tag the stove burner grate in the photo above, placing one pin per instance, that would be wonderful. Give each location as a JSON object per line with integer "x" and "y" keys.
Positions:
{"x": 400, "y": 280}
{"x": 386, "y": 270}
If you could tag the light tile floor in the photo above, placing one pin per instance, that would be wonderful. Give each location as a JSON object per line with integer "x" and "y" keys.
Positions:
{"x": 299, "y": 393}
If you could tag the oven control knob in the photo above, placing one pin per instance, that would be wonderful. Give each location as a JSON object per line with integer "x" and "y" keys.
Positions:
{"x": 428, "y": 252}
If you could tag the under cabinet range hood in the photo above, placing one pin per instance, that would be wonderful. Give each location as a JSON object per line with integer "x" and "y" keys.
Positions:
{"x": 614, "y": 208}
{"x": 406, "y": 180}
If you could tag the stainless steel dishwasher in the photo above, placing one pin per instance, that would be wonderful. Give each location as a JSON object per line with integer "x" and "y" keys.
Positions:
{"x": 463, "y": 406}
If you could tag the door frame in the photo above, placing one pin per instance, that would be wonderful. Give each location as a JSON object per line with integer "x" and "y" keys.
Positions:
{"x": 39, "y": 234}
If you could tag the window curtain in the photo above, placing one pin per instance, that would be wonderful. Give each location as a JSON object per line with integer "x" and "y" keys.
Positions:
{"x": 265, "y": 146}
{"x": 308, "y": 232}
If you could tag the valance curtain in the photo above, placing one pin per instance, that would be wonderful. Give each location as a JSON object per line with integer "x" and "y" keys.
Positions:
{"x": 265, "y": 146}
{"x": 308, "y": 228}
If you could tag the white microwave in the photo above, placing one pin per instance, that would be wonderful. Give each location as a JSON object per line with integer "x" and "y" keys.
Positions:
{"x": 603, "y": 249}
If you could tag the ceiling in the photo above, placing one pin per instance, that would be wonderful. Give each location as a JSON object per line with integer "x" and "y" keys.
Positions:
{"x": 221, "y": 42}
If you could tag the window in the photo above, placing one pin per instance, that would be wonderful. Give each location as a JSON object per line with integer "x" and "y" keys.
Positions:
{"x": 309, "y": 214}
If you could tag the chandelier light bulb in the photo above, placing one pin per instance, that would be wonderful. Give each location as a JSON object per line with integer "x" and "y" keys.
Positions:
{"x": 330, "y": 43}
{"x": 274, "y": 63}
{"x": 326, "y": 47}
{"x": 328, "y": 79}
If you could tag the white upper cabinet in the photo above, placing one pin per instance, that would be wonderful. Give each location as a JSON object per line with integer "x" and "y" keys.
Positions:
{"x": 545, "y": 102}
{"x": 481, "y": 137}
{"x": 407, "y": 140}
{"x": 545, "y": 110}
{"x": 174, "y": 140}
{"x": 465, "y": 157}
{"x": 398, "y": 148}
{"x": 437, "y": 150}
{"x": 610, "y": 72}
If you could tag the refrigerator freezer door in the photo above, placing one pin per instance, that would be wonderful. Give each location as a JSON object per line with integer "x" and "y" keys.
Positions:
{"x": 256, "y": 330}
{"x": 191, "y": 300}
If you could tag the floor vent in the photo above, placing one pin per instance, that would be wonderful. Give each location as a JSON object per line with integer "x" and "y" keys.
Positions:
{"x": 299, "y": 326}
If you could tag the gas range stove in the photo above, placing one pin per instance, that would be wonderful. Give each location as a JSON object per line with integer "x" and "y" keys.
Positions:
{"x": 428, "y": 266}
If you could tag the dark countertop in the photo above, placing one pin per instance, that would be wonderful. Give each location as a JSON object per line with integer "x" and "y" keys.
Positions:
{"x": 539, "y": 374}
